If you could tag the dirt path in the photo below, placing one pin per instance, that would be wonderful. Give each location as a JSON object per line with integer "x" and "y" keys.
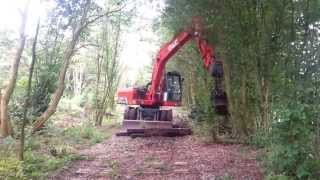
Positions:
{"x": 164, "y": 158}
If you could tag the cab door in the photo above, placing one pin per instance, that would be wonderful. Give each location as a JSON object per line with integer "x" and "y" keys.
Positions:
{"x": 173, "y": 87}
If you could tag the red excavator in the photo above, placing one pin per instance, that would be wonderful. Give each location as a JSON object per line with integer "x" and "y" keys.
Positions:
{"x": 147, "y": 106}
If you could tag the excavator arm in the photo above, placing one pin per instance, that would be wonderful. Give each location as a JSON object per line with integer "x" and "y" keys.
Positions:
{"x": 154, "y": 95}
{"x": 147, "y": 111}
{"x": 209, "y": 62}
{"x": 165, "y": 53}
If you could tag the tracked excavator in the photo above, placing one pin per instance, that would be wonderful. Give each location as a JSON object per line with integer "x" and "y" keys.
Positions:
{"x": 148, "y": 109}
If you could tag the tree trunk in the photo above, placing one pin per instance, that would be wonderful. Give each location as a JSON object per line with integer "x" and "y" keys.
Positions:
{"x": 5, "y": 124}
{"x": 99, "y": 117}
{"x": 106, "y": 66}
{"x": 63, "y": 70}
{"x": 192, "y": 88}
{"x": 59, "y": 91}
{"x": 97, "y": 106}
{"x": 243, "y": 113}
{"x": 27, "y": 102}
{"x": 78, "y": 29}
{"x": 264, "y": 104}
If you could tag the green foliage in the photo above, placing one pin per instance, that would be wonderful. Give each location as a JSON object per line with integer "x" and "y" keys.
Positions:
{"x": 260, "y": 139}
{"x": 10, "y": 168}
{"x": 271, "y": 61}
{"x": 37, "y": 165}
{"x": 34, "y": 166}
{"x": 278, "y": 177}
{"x": 48, "y": 150}
{"x": 84, "y": 99}
{"x": 44, "y": 87}
{"x": 45, "y": 152}
{"x": 32, "y": 144}
{"x": 17, "y": 101}
{"x": 70, "y": 106}
{"x": 7, "y": 145}
{"x": 290, "y": 152}
{"x": 85, "y": 132}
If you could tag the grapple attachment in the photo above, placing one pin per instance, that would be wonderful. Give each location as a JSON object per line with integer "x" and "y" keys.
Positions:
{"x": 220, "y": 103}
{"x": 218, "y": 96}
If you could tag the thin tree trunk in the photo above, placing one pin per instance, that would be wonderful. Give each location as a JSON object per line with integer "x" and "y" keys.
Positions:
{"x": 264, "y": 104}
{"x": 28, "y": 98}
{"x": 68, "y": 54}
{"x": 97, "y": 111}
{"x": 192, "y": 88}
{"x": 5, "y": 124}
{"x": 244, "y": 109}
{"x": 317, "y": 137}
{"x": 59, "y": 91}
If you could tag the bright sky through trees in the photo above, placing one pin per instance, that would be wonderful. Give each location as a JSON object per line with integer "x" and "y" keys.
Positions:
{"x": 140, "y": 42}
{"x": 10, "y": 18}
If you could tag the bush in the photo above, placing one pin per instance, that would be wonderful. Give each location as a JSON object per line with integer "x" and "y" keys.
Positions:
{"x": 291, "y": 153}
{"x": 32, "y": 144}
{"x": 260, "y": 139}
{"x": 10, "y": 168}
{"x": 204, "y": 122}
{"x": 38, "y": 165}
{"x": 85, "y": 132}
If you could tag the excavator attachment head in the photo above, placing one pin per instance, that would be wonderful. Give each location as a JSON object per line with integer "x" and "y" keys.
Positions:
{"x": 221, "y": 104}
{"x": 216, "y": 69}
{"x": 219, "y": 101}
{"x": 197, "y": 24}
{"x": 218, "y": 95}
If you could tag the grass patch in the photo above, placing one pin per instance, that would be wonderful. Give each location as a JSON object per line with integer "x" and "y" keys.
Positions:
{"x": 35, "y": 165}
{"x": 38, "y": 166}
{"x": 48, "y": 150}
{"x": 11, "y": 168}
{"x": 84, "y": 133}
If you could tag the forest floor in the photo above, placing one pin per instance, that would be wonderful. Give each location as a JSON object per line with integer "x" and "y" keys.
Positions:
{"x": 163, "y": 158}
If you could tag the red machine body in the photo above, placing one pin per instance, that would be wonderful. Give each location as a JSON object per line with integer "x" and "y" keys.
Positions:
{"x": 154, "y": 95}
{"x": 165, "y": 88}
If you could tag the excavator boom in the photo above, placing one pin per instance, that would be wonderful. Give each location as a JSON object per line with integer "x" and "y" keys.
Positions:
{"x": 165, "y": 88}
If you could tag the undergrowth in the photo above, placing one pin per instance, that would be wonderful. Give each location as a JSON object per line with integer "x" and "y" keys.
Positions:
{"x": 50, "y": 149}
{"x": 288, "y": 149}
{"x": 85, "y": 132}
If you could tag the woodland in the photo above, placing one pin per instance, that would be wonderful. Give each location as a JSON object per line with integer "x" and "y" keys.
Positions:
{"x": 59, "y": 82}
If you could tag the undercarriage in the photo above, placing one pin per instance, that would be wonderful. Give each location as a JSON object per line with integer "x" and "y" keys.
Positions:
{"x": 148, "y": 114}
{"x": 142, "y": 122}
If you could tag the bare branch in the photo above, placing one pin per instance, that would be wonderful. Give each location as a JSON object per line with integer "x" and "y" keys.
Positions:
{"x": 102, "y": 15}
{"x": 85, "y": 46}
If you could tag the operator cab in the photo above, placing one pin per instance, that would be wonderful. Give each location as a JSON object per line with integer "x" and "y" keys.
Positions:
{"x": 173, "y": 87}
